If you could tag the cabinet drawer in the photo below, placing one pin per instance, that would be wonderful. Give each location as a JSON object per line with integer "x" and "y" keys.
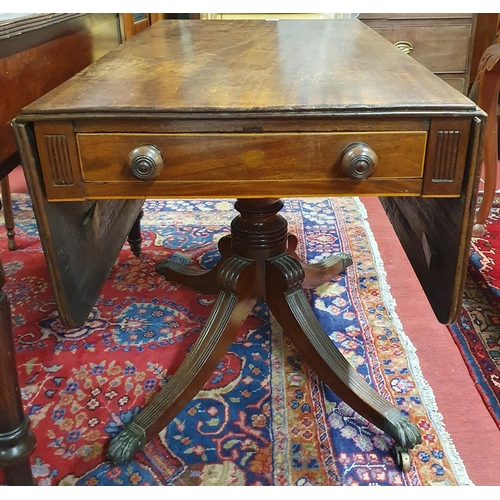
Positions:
{"x": 455, "y": 81}
{"x": 440, "y": 48}
{"x": 249, "y": 157}
{"x": 440, "y": 42}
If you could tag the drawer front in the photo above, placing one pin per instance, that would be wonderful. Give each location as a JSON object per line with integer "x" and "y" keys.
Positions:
{"x": 440, "y": 48}
{"x": 456, "y": 82}
{"x": 249, "y": 157}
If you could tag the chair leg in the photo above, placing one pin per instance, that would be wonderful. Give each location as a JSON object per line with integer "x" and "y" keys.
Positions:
{"x": 488, "y": 92}
{"x": 8, "y": 212}
{"x": 134, "y": 238}
{"x": 17, "y": 441}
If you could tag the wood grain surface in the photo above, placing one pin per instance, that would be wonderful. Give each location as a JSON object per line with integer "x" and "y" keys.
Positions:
{"x": 252, "y": 66}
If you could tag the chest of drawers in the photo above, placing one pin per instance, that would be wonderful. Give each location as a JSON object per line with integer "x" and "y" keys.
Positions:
{"x": 440, "y": 42}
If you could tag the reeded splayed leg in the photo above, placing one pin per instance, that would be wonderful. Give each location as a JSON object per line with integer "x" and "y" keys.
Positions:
{"x": 196, "y": 279}
{"x": 234, "y": 303}
{"x": 259, "y": 262}
{"x": 288, "y": 303}
{"x": 322, "y": 272}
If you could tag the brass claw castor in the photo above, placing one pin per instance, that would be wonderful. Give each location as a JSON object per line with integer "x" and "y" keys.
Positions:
{"x": 403, "y": 431}
{"x": 402, "y": 458}
{"x": 406, "y": 436}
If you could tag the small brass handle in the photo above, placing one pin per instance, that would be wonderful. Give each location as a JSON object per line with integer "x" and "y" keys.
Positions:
{"x": 404, "y": 46}
{"x": 359, "y": 160}
{"x": 145, "y": 162}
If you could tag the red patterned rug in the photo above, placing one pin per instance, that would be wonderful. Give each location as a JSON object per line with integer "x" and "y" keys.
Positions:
{"x": 477, "y": 331}
{"x": 263, "y": 418}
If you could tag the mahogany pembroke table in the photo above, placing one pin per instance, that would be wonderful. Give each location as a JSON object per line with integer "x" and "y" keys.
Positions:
{"x": 256, "y": 111}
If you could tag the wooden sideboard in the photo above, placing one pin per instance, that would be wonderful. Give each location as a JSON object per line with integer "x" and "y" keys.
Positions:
{"x": 443, "y": 43}
{"x": 37, "y": 53}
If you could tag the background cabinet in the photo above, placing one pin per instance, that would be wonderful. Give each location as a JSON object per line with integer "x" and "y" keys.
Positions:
{"x": 39, "y": 52}
{"x": 443, "y": 43}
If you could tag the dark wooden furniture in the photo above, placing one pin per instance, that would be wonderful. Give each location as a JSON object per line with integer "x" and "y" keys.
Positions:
{"x": 443, "y": 43}
{"x": 17, "y": 441}
{"x": 254, "y": 110}
{"x": 484, "y": 36}
{"x": 37, "y": 53}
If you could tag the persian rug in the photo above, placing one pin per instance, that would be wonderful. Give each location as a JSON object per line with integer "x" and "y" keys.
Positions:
{"x": 477, "y": 330}
{"x": 263, "y": 418}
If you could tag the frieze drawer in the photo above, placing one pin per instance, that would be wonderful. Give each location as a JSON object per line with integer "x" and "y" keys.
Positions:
{"x": 237, "y": 157}
{"x": 93, "y": 165}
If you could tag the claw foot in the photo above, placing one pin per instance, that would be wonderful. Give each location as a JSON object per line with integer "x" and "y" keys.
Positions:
{"x": 405, "y": 433}
{"x": 322, "y": 272}
{"x": 343, "y": 259}
{"x": 124, "y": 446}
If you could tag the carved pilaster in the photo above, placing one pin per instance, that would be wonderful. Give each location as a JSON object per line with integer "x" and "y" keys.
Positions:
{"x": 60, "y": 165}
{"x": 445, "y": 155}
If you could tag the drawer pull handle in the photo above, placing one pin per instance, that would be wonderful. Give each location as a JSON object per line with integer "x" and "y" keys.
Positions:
{"x": 404, "y": 46}
{"x": 145, "y": 162}
{"x": 359, "y": 160}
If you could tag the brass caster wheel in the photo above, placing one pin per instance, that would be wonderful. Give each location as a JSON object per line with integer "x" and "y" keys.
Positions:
{"x": 403, "y": 458}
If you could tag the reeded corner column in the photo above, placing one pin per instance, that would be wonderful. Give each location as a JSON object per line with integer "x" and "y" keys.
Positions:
{"x": 17, "y": 441}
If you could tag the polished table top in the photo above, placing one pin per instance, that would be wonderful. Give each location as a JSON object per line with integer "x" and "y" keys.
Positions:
{"x": 265, "y": 67}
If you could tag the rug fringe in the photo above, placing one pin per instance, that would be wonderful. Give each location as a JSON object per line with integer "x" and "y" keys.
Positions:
{"x": 425, "y": 389}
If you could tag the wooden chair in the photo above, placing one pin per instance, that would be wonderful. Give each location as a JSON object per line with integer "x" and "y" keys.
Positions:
{"x": 488, "y": 98}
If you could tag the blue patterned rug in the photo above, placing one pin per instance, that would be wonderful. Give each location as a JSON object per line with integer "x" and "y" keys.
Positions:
{"x": 263, "y": 418}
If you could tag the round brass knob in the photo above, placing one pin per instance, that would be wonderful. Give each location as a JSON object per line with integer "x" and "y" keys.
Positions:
{"x": 359, "y": 160}
{"x": 145, "y": 162}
